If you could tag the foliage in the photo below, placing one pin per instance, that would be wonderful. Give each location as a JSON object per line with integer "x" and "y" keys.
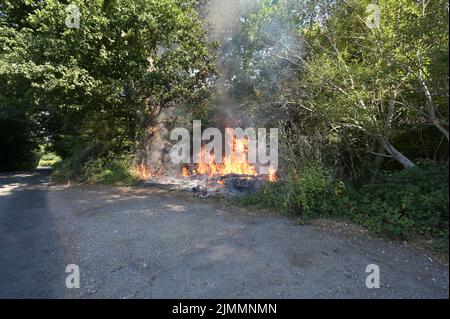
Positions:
{"x": 96, "y": 171}
{"x": 399, "y": 204}
{"x": 306, "y": 191}
{"x": 101, "y": 84}
{"x": 48, "y": 160}
{"x": 113, "y": 172}
{"x": 363, "y": 102}
{"x": 402, "y": 202}
{"x": 319, "y": 72}
{"x": 18, "y": 144}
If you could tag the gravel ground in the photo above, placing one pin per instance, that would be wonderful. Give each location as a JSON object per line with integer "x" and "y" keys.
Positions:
{"x": 149, "y": 243}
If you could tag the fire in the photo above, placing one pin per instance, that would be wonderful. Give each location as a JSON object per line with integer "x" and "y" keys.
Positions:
{"x": 272, "y": 174}
{"x": 234, "y": 163}
{"x": 185, "y": 171}
{"x": 143, "y": 171}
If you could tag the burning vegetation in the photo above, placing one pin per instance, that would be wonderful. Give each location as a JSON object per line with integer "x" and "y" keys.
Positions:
{"x": 233, "y": 175}
{"x": 143, "y": 171}
{"x": 234, "y": 164}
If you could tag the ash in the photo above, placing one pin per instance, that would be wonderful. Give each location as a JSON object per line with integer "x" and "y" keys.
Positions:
{"x": 230, "y": 185}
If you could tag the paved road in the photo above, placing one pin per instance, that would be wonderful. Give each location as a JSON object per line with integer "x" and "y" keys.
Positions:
{"x": 147, "y": 243}
{"x": 30, "y": 254}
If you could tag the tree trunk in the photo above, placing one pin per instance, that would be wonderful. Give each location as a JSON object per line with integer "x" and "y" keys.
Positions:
{"x": 431, "y": 108}
{"x": 385, "y": 145}
{"x": 402, "y": 159}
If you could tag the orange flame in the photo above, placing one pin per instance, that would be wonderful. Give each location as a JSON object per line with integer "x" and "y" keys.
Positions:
{"x": 272, "y": 174}
{"x": 234, "y": 163}
{"x": 143, "y": 171}
{"x": 185, "y": 171}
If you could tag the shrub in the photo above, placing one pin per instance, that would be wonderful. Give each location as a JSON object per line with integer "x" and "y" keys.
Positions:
{"x": 399, "y": 204}
{"x": 307, "y": 191}
{"x": 272, "y": 195}
{"x": 85, "y": 165}
{"x": 114, "y": 172}
{"x": 407, "y": 201}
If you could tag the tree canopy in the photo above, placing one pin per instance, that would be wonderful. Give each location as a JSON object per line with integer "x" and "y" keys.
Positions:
{"x": 368, "y": 93}
{"x": 97, "y": 87}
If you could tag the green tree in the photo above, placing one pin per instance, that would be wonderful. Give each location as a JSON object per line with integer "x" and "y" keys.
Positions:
{"x": 97, "y": 89}
{"x": 370, "y": 89}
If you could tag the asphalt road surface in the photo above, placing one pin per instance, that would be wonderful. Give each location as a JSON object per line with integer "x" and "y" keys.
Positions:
{"x": 149, "y": 243}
